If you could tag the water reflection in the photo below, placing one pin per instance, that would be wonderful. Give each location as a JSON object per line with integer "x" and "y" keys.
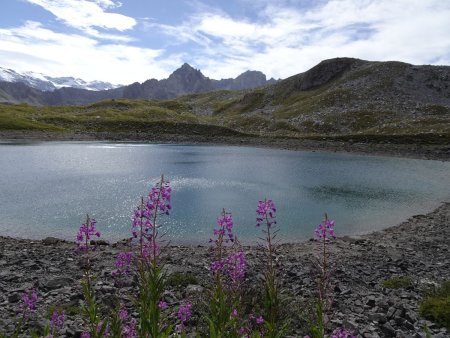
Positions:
{"x": 47, "y": 188}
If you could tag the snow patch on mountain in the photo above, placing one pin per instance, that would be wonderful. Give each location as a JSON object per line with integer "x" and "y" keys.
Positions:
{"x": 48, "y": 83}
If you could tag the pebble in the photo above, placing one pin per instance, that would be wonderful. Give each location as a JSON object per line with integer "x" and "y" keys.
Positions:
{"x": 416, "y": 248}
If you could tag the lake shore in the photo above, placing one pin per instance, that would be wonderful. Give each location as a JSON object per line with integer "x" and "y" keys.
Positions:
{"x": 418, "y": 249}
{"x": 420, "y": 150}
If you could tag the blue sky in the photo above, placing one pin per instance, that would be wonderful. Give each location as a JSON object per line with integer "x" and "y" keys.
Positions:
{"x": 134, "y": 40}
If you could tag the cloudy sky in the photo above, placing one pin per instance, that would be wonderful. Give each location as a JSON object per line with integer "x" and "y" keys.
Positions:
{"x": 134, "y": 40}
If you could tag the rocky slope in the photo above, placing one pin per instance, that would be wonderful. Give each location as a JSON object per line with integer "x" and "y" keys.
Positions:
{"x": 417, "y": 248}
{"x": 347, "y": 95}
{"x": 16, "y": 88}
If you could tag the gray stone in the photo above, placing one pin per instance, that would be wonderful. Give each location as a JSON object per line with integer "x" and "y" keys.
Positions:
{"x": 390, "y": 312}
{"x": 411, "y": 316}
{"x": 14, "y": 298}
{"x": 388, "y": 330}
{"x": 371, "y": 301}
{"x": 58, "y": 282}
{"x": 192, "y": 289}
{"x": 377, "y": 317}
{"x": 51, "y": 240}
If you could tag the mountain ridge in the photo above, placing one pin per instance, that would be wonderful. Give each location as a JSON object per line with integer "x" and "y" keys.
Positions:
{"x": 338, "y": 97}
{"x": 48, "y": 83}
{"x": 184, "y": 80}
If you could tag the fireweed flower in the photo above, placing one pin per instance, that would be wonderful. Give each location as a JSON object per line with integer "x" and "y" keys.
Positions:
{"x": 123, "y": 314}
{"x": 225, "y": 227}
{"x": 159, "y": 199}
{"x": 342, "y": 333}
{"x": 123, "y": 263}
{"x": 141, "y": 217}
{"x": 325, "y": 230}
{"x": 29, "y": 299}
{"x": 266, "y": 212}
{"x": 129, "y": 329}
{"x": 236, "y": 265}
{"x": 225, "y": 223}
{"x": 259, "y": 320}
{"x": 162, "y": 305}
{"x": 184, "y": 312}
{"x": 85, "y": 335}
{"x": 244, "y": 331}
{"x": 147, "y": 250}
{"x": 157, "y": 203}
{"x": 217, "y": 265}
{"x": 57, "y": 320}
{"x": 85, "y": 233}
{"x": 101, "y": 326}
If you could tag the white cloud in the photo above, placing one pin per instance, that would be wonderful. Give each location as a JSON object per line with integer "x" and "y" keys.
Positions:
{"x": 59, "y": 54}
{"x": 285, "y": 38}
{"x": 281, "y": 39}
{"x": 85, "y": 15}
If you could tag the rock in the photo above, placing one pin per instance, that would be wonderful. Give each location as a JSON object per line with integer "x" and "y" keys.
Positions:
{"x": 388, "y": 330}
{"x": 411, "y": 316}
{"x": 391, "y": 312}
{"x": 350, "y": 324}
{"x": 51, "y": 240}
{"x": 361, "y": 303}
{"x": 99, "y": 242}
{"x": 14, "y": 298}
{"x": 377, "y": 317}
{"x": 192, "y": 289}
{"x": 371, "y": 301}
{"x": 57, "y": 283}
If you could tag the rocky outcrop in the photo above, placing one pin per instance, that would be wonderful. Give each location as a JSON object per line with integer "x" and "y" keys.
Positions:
{"x": 247, "y": 80}
{"x": 325, "y": 72}
{"x": 418, "y": 248}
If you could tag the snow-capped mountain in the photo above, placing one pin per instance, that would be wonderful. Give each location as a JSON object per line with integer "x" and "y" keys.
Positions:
{"x": 48, "y": 83}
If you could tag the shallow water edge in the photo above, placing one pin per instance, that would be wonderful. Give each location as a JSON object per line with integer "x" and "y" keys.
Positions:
{"x": 384, "y": 148}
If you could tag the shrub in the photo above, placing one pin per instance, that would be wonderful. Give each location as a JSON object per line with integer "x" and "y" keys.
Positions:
{"x": 398, "y": 282}
{"x": 181, "y": 279}
{"x": 436, "y": 305}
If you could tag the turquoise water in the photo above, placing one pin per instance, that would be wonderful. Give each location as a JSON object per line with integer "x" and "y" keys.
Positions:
{"x": 46, "y": 189}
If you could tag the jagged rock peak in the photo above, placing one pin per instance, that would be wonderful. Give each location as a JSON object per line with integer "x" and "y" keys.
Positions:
{"x": 187, "y": 66}
{"x": 186, "y": 69}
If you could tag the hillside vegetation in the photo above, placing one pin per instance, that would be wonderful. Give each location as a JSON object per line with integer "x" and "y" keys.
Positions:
{"x": 340, "y": 98}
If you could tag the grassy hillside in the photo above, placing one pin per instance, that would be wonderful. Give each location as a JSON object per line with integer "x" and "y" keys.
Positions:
{"x": 339, "y": 98}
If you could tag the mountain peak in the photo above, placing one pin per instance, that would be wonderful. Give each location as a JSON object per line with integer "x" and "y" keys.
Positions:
{"x": 186, "y": 69}
{"x": 186, "y": 66}
{"x": 184, "y": 80}
{"x": 186, "y": 73}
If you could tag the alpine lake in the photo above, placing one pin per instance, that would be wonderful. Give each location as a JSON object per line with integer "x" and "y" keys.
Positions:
{"x": 47, "y": 188}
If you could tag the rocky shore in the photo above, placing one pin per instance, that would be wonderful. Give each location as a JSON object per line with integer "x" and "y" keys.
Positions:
{"x": 398, "y": 148}
{"x": 417, "y": 248}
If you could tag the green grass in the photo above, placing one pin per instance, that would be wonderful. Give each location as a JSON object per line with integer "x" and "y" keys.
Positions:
{"x": 398, "y": 282}
{"x": 333, "y": 110}
{"x": 436, "y": 305}
{"x": 69, "y": 309}
{"x": 181, "y": 279}
{"x": 245, "y": 103}
{"x": 20, "y": 123}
